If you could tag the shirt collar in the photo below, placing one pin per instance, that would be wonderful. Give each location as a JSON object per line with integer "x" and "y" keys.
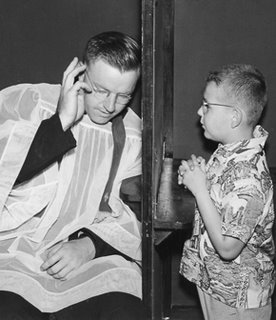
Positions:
{"x": 255, "y": 144}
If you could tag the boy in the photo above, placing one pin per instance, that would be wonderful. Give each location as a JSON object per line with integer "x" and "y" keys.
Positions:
{"x": 230, "y": 254}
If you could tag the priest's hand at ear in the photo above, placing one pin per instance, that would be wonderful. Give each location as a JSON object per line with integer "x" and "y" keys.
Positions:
{"x": 69, "y": 109}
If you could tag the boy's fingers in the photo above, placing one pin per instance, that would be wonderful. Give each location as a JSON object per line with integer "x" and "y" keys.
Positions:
{"x": 194, "y": 159}
{"x": 184, "y": 166}
{"x": 191, "y": 164}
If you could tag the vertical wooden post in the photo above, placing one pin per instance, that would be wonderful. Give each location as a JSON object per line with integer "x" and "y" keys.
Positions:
{"x": 147, "y": 102}
{"x": 157, "y": 116}
{"x": 168, "y": 73}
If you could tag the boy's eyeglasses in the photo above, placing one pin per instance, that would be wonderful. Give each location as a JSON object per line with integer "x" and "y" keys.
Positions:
{"x": 102, "y": 94}
{"x": 206, "y": 105}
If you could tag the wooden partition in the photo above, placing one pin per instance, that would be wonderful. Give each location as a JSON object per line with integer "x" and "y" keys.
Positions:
{"x": 157, "y": 115}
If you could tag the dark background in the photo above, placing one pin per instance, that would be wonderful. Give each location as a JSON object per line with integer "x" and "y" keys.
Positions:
{"x": 39, "y": 38}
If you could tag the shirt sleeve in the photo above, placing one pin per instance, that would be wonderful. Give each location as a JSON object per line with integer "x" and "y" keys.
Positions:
{"x": 242, "y": 209}
{"x": 49, "y": 145}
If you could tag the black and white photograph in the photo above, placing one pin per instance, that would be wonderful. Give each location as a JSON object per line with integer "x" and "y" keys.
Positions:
{"x": 137, "y": 159}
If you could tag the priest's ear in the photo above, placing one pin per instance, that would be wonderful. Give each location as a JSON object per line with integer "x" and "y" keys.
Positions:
{"x": 237, "y": 117}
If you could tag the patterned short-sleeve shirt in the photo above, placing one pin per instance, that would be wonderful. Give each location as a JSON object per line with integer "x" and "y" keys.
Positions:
{"x": 241, "y": 189}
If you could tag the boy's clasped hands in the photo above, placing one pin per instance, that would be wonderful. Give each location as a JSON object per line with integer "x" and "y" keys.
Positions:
{"x": 192, "y": 174}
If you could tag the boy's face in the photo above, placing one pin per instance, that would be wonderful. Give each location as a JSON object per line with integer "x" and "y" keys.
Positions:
{"x": 111, "y": 90}
{"x": 216, "y": 113}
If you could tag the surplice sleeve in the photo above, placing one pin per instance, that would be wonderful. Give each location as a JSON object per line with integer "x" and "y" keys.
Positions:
{"x": 49, "y": 145}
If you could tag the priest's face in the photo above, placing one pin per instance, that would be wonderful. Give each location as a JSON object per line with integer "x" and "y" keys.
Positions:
{"x": 111, "y": 90}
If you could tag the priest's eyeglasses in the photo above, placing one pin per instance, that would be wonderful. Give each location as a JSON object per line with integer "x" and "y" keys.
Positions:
{"x": 102, "y": 94}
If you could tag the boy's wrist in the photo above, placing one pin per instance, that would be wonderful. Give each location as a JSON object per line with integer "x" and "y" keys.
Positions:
{"x": 201, "y": 193}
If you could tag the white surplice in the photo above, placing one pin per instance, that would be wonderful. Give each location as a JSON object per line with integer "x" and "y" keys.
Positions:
{"x": 62, "y": 199}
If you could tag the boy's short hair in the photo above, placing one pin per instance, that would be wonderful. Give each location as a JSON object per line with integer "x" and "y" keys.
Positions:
{"x": 117, "y": 49}
{"x": 247, "y": 84}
